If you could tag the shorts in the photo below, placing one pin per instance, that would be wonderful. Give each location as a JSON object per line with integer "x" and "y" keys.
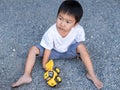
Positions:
{"x": 70, "y": 53}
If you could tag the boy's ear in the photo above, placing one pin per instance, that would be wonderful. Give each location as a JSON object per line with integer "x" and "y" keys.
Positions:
{"x": 75, "y": 24}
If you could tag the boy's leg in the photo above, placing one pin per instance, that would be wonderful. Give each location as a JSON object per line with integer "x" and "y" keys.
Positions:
{"x": 88, "y": 64}
{"x": 30, "y": 61}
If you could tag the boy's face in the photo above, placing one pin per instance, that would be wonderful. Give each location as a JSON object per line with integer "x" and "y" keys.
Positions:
{"x": 65, "y": 22}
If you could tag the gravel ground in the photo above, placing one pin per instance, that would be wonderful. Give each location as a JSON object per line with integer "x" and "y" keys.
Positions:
{"x": 22, "y": 24}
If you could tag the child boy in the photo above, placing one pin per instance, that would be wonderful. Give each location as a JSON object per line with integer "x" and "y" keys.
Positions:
{"x": 62, "y": 40}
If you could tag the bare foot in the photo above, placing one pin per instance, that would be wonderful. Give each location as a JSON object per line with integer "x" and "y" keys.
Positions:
{"x": 96, "y": 81}
{"x": 22, "y": 80}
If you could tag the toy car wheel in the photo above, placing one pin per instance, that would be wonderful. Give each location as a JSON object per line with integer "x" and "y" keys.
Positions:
{"x": 57, "y": 70}
{"x": 58, "y": 79}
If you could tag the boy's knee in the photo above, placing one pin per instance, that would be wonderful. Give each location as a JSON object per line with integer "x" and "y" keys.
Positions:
{"x": 35, "y": 50}
{"x": 80, "y": 48}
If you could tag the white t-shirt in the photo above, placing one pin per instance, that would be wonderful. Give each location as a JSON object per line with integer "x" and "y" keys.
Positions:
{"x": 53, "y": 40}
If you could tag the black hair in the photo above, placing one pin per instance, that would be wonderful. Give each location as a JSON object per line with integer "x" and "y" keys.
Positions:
{"x": 71, "y": 7}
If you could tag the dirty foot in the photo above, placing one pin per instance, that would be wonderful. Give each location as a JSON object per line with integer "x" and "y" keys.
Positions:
{"x": 96, "y": 81}
{"x": 22, "y": 80}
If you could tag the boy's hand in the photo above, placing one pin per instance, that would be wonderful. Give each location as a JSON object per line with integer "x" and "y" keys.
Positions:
{"x": 44, "y": 66}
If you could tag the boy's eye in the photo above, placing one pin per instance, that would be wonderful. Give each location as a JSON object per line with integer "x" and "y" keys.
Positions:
{"x": 59, "y": 18}
{"x": 67, "y": 22}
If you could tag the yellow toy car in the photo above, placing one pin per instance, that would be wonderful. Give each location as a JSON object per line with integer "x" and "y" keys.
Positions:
{"x": 52, "y": 74}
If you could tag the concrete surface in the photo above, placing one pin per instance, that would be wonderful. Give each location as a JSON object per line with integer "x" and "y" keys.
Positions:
{"x": 22, "y": 24}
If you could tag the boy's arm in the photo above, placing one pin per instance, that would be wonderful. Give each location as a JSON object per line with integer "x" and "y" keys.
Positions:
{"x": 46, "y": 57}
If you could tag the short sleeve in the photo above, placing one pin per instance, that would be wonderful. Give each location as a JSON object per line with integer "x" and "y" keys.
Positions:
{"x": 47, "y": 40}
{"x": 80, "y": 35}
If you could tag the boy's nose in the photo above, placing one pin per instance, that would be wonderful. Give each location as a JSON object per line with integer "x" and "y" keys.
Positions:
{"x": 62, "y": 24}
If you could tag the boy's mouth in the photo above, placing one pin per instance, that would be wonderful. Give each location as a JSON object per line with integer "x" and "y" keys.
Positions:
{"x": 59, "y": 28}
